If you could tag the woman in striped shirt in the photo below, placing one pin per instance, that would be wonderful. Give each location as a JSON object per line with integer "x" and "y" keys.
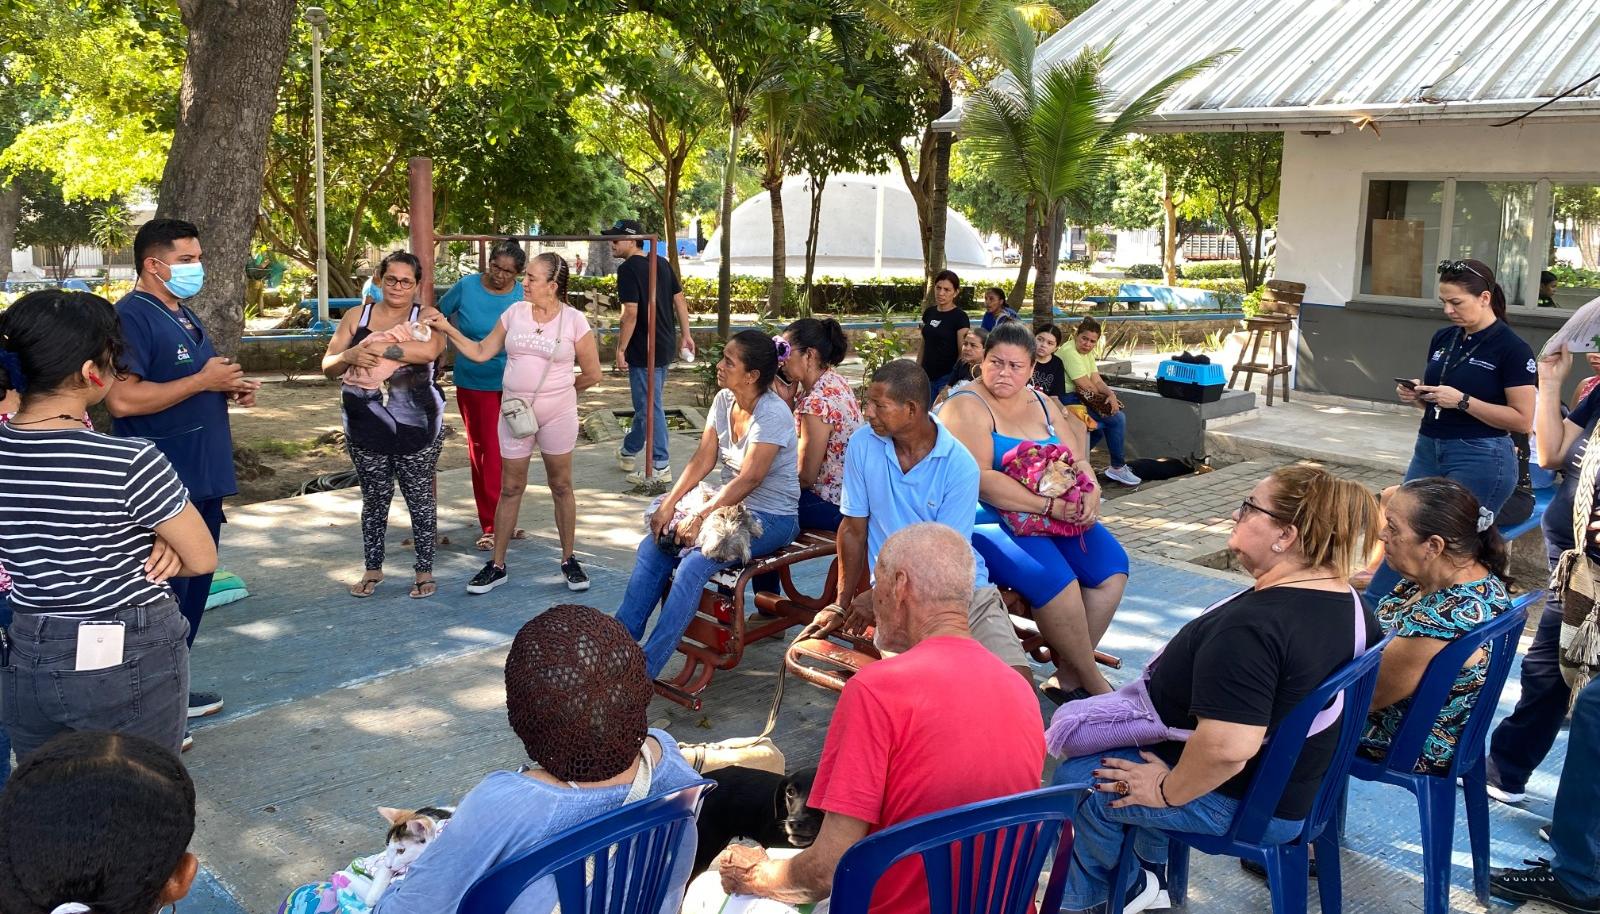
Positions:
{"x": 80, "y": 516}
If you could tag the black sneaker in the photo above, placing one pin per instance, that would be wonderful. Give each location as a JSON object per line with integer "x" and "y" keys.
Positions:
{"x": 1260, "y": 872}
{"x": 573, "y": 572}
{"x": 488, "y": 579}
{"x": 204, "y": 704}
{"x": 1539, "y": 883}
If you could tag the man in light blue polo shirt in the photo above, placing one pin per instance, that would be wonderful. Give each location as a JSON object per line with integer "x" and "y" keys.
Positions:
{"x": 903, "y": 468}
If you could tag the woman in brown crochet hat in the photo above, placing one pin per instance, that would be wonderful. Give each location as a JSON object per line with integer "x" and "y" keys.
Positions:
{"x": 576, "y": 695}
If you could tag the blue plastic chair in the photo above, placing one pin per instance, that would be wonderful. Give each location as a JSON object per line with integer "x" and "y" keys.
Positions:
{"x": 1288, "y": 864}
{"x": 1436, "y": 793}
{"x": 983, "y": 858}
{"x": 641, "y": 840}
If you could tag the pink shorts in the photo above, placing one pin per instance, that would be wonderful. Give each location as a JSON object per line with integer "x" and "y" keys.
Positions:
{"x": 557, "y": 414}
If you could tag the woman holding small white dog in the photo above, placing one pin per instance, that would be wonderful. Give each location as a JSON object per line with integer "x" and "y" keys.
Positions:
{"x": 750, "y": 433}
{"x": 544, "y": 339}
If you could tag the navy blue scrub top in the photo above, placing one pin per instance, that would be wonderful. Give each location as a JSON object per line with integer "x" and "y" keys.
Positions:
{"x": 1483, "y": 366}
{"x": 193, "y": 433}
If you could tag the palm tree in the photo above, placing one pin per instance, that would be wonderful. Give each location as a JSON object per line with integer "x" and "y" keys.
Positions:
{"x": 1053, "y": 132}
{"x": 940, "y": 35}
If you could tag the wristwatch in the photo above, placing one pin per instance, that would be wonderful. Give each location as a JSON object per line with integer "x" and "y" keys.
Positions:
{"x": 1465, "y": 399}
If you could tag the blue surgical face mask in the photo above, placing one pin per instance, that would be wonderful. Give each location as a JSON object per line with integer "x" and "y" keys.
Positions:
{"x": 187, "y": 278}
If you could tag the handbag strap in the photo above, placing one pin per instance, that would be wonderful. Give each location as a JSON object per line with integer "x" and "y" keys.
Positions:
{"x": 1582, "y": 507}
{"x": 561, "y": 323}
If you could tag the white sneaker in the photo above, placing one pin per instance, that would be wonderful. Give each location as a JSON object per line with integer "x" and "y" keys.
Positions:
{"x": 1123, "y": 475}
{"x": 661, "y": 474}
{"x": 1146, "y": 894}
{"x": 1505, "y": 796}
{"x": 625, "y": 462}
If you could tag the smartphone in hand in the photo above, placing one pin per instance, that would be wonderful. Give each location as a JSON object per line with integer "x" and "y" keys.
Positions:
{"x": 1407, "y": 383}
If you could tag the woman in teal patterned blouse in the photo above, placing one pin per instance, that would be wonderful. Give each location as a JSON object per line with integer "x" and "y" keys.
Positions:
{"x": 1454, "y": 565}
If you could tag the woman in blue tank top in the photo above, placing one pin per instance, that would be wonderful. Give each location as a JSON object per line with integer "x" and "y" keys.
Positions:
{"x": 1073, "y": 582}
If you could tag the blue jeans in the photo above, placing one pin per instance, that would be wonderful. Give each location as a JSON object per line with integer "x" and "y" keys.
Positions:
{"x": 1487, "y": 467}
{"x": 687, "y": 576}
{"x": 633, "y": 442}
{"x": 192, "y": 593}
{"x": 1114, "y": 429}
{"x": 1574, "y": 840}
{"x": 1098, "y": 830}
{"x": 1521, "y": 741}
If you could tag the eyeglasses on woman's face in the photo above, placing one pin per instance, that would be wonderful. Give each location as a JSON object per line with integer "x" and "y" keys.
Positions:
{"x": 1248, "y": 505}
{"x": 501, "y": 270}
{"x": 398, "y": 282}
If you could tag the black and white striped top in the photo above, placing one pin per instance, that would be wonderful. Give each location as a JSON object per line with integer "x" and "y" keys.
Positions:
{"x": 77, "y": 516}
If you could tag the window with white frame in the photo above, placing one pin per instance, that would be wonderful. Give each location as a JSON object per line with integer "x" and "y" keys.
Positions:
{"x": 1529, "y": 229}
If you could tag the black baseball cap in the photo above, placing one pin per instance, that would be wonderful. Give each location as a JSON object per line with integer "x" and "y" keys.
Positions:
{"x": 625, "y": 227}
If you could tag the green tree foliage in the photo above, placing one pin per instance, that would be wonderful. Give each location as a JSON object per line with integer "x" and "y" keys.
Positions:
{"x": 87, "y": 93}
{"x": 54, "y": 223}
{"x": 748, "y": 44}
{"x": 482, "y": 89}
{"x": 1236, "y": 174}
{"x": 1054, "y": 132}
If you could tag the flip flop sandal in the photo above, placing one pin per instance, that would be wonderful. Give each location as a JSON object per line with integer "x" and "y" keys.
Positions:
{"x": 485, "y": 542}
{"x": 422, "y": 589}
{"x": 1061, "y": 696}
{"x": 364, "y": 587}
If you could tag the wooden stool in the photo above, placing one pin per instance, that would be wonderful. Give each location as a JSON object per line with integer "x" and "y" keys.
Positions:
{"x": 1273, "y": 329}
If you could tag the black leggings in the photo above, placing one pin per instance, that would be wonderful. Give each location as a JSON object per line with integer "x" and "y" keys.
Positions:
{"x": 377, "y": 473}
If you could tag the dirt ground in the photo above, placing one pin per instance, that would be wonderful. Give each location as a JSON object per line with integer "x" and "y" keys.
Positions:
{"x": 292, "y": 435}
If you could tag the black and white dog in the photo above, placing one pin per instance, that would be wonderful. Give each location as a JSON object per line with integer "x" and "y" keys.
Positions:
{"x": 768, "y": 808}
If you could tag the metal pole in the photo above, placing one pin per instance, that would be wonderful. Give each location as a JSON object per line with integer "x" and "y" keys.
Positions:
{"x": 650, "y": 362}
{"x": 420, "y": 171}
{"x": 319, "y": 20}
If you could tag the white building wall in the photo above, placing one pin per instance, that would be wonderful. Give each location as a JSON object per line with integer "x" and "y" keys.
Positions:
{"x": 1319, "y": 221}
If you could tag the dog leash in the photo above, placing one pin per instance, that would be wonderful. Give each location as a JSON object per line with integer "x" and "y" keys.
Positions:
{"x": 699, "y": 749}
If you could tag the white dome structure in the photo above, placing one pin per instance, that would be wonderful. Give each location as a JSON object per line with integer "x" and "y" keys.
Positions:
{"x": 847, "y": 231}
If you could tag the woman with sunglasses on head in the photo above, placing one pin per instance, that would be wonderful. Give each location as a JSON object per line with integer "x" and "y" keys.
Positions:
{"x": 1476, "y": 388}
{"x": 392, "y": 414}
{"x": 551, "y": 356}
{"x": 1074, "y": 583}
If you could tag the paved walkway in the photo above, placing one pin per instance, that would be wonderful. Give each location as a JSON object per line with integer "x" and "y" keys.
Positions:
{"x": 1344, "y": 432}
{"x": 336, "y": 705}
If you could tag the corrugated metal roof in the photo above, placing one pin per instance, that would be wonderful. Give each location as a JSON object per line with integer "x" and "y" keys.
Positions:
{"x": 1301, "y": 63}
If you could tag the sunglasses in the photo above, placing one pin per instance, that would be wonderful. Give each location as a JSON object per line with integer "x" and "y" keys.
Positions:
{"x": 1457, "y": 267}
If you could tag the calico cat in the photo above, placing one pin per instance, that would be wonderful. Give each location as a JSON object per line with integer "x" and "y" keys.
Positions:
{"x": 410, "y": 831}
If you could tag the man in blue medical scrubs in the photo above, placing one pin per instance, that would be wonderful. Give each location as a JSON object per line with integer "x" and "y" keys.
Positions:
{"x": 176, "y": 392}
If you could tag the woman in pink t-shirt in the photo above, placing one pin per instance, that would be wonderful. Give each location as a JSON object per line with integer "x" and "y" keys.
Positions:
{"x": 550, "y": 356}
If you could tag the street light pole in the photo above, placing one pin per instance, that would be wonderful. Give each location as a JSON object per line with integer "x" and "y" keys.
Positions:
{"x": 318, "y": 18}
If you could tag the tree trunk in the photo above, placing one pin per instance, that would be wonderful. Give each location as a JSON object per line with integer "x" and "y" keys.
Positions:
{"x": 219, "y": 146}
{"x": 1247, "y": 260}
{"x": 780, "y": 252}
{"x": 599, "y": 262}
{"x": 1169, "y": 233}
{"x": 938, "y": 196}
{"x": 725, "y": 222}
{"x": 813, "y": 226}
{"x": 672, "y": 173}
{"x": 10, "y": 216}
{"x": 1030, "y": 229}
{"x": 1044, "y": 283}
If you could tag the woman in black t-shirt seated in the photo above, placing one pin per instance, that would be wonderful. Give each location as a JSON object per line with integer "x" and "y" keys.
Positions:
{"x": 1231, "y": 676}
{"x": 1477, "y": 385}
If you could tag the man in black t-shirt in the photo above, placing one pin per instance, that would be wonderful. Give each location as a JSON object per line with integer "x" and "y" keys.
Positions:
{"x": 672, "y": 333}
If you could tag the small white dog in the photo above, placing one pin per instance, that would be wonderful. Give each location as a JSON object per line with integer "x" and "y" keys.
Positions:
{"x": 726, "y": 534}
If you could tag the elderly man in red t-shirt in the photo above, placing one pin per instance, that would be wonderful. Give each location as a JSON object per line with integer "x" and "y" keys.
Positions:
{"x": 939, "y": 724}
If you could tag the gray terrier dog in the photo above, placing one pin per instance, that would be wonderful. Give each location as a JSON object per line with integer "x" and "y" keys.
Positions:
{"x": 726, "y": 534}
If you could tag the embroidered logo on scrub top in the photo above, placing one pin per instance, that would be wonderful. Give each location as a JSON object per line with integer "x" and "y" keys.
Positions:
{"x": 1532, "y": 368}
{"x": 183, "y": 355}
{"x": 1437, "y": 355}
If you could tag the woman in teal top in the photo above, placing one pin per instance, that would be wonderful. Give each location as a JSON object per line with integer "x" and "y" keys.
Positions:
{"x": 474, "y": 304}
{"x": 1453, "y": 562}
{"x": 1073, "y": 582}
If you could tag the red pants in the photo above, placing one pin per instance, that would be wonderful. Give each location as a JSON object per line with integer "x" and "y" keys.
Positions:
{"x": 480, "y": 413}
